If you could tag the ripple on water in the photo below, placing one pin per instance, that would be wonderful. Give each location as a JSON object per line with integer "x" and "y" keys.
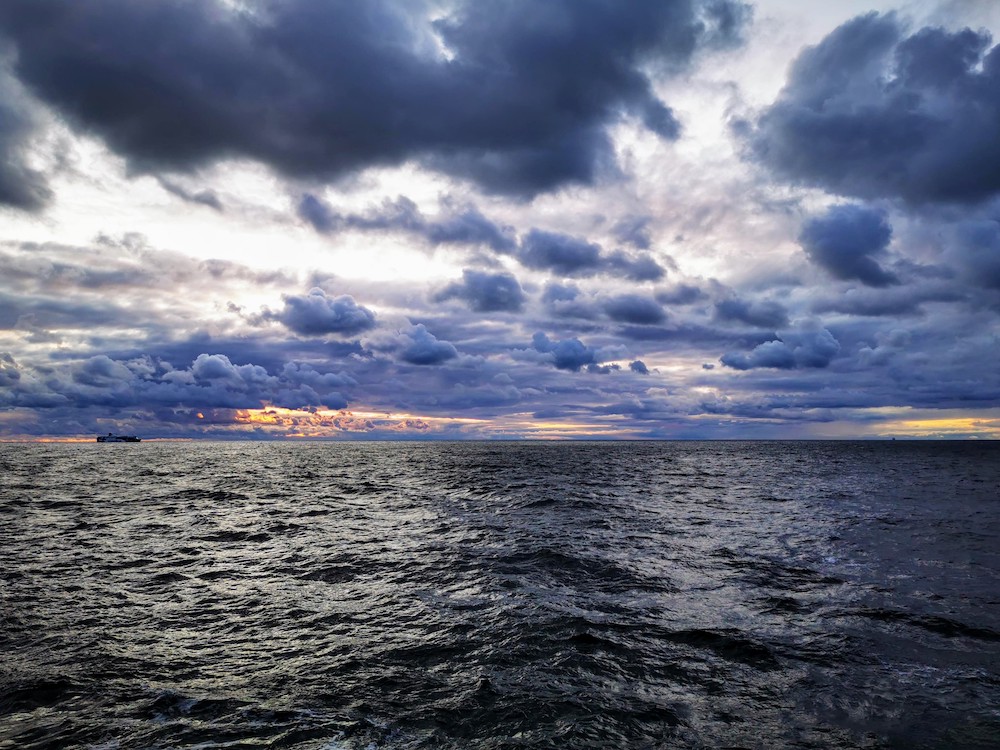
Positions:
{"x": 500, "y": 595}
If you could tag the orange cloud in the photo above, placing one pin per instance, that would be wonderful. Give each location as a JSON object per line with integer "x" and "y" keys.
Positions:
{"x": 323, "y": 423}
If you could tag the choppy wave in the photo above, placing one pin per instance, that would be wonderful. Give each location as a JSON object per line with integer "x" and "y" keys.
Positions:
{"x": 395, "y": 595}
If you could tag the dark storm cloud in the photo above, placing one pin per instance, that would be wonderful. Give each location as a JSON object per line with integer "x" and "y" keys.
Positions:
{"x": 568, "y": 301}
{"x": 421, "y": 347}
{"x": 491, "y": 395}
{"x": 401, "y": 214}
{"x": 899, "y": 301}
{"x": 466, "y": 225}
{"x": 458, "y": 225}
{"x": 566, "y": 255}
{"x": 319, "y": 213}
{"x": 870, "y": 113}
{"x": 519, "y": 101}
{"x": 60, "y": 312}
{"x": 318, "y": 314}
{"x": 638, "y": 268}
{"x": 763, "y": 314}
{"x": 567, "y": 354}
{"x": 10, "y": 373}
{"x": 976, "y": 251}
{"x": 680, "y": 294}
{"x": 887, "y": 347}
{"x": 101, "y": 370}
{"x": 634, "y": 308}
{"x": 20, "y": 185}
{"x": 810, "y": 348}
{"x": 486, "y": 292}
{"x": 843, "y": 241}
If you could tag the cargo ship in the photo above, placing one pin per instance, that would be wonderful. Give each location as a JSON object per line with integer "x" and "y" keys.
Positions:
{"x": 109, "y": 438}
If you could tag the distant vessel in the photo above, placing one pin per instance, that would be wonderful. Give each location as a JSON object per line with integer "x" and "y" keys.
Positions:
{"x": 109, "y": 438}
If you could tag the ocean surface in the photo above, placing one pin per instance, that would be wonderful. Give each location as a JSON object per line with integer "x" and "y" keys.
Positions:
{"x": 500, "y": 595}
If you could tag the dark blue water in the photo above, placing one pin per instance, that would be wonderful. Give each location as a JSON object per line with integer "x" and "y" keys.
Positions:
{"x": 622, "y": 595}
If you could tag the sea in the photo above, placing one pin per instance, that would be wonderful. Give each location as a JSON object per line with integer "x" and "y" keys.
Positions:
{"x": 351, "y": 595}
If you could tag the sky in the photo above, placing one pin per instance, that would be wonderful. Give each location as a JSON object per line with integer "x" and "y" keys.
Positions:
{"x": 499, "y": 219}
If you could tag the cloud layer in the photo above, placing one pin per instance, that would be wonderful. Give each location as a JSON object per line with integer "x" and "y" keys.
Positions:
{"x": 511, "y": 96}
{"x": 871, "y": 111}
{"x": 302, "y": 218}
